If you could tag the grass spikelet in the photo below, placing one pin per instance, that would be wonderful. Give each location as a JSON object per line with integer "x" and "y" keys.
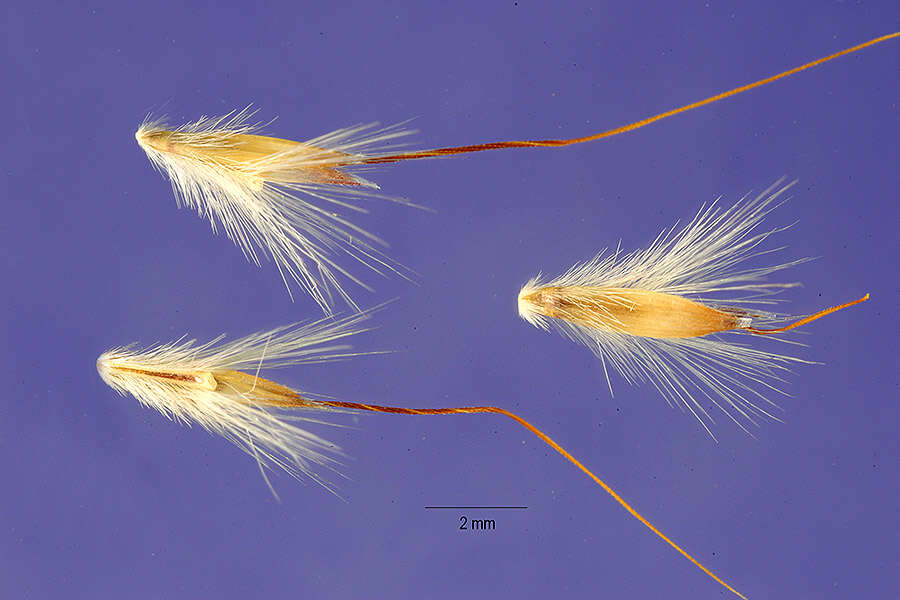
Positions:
{"x": 204, "y": 384}
{"x": 276, "y": 198}
{"x": 218, "y": 386}
{"x": 671, "y": 314}
{"x": 281, "y": 199}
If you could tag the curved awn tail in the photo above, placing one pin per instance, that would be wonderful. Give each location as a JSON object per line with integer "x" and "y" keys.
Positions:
{"x": 288, "y": 201}
{"x": 217, "y": 385}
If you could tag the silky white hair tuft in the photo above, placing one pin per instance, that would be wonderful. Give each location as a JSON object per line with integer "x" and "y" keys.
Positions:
{"x": 700, "y": 266}
{"x": 279, "y": 198}
{"x": 195, "y": 383}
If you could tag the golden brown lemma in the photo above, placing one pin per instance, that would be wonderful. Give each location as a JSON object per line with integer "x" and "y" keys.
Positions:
{"x": 252, "y": 152}
{"x": 263, "y": 390}
{"x": 632, "y": 311}
{"x": 645, "y": 313}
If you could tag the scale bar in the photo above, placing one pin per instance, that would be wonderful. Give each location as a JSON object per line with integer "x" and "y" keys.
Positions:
{"x": 478, "y": 507}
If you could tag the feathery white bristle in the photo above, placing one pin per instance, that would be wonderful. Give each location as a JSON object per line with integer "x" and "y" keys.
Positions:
{"x": 297, "y": 225}
{"x": 702, "y": 261}
{"x": 268, "y": 434}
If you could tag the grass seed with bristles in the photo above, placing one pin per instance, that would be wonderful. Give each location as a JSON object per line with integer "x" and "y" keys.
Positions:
{"x": 675, "y": 314}
{"x": 276, "y": 198}
{"x": 203, "y": 384}
{"x": 280, "y": 199}
{"x": 218, "y": 386}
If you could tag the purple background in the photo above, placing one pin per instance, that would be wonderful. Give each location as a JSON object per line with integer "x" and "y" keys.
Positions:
{"x": 104, "y": 499}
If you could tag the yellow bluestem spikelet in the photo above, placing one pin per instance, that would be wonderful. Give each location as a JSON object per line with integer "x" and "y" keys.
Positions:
{"x": 278, "y": 198}
{"x": 204, "y": 384}
{"x": 669, "y": 315}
